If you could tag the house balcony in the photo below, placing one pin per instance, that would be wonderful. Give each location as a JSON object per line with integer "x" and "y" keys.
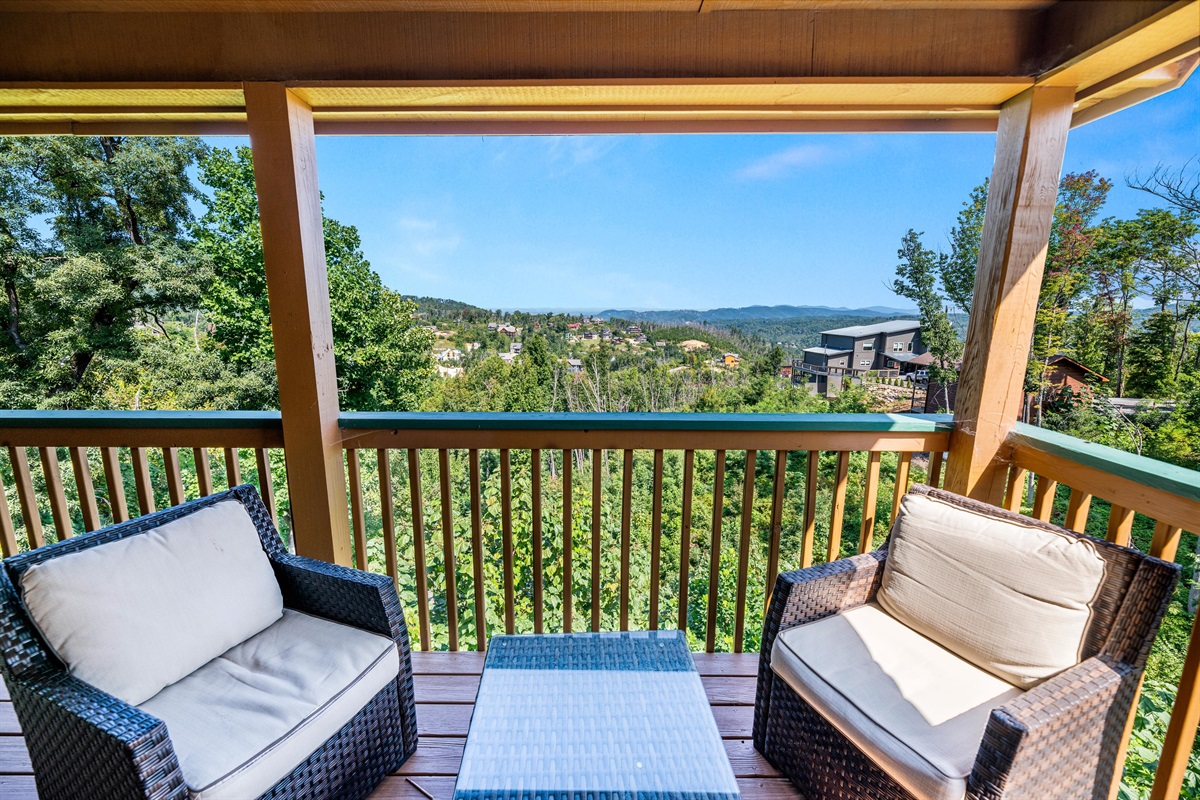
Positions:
{"x": 466, "y": 495}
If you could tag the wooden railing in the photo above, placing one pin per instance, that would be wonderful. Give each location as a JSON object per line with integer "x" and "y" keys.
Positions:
{"x": 583, "y": 541}
{"x": 594, "y": 522}
{"x": 1139, "y": 492}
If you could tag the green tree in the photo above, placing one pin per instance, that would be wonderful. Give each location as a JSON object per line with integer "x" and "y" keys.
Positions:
{"x": 384, "y": 358}
{"x": 916, "y": 280}
{"x": 1151, "y": 367}
{"x": 119, "y": 260}
{"x": 957, "y": 270}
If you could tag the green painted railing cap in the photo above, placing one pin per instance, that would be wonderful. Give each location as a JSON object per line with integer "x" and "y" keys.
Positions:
{"x": 896, "y": 423}
{"x": 1147, "y": 471}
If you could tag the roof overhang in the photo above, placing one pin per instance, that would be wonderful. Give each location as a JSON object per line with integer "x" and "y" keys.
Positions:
{"x": 580, "y": 66}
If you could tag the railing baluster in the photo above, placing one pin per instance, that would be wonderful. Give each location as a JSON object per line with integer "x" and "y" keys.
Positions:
{"x": 535, "y": 510}
{"x": 419, "y": 562}
{"x": 141, "y": 480}
{"x": 685, "y": 537}
{"x": 903, "y": 467}
{"x": 8, "y": 531}
{"x": 837, "y": 512}
{"x": 739, "y": 614}
{"x": 1120, "y": 524}
{"x": 777, "y": 497}
{"x": 506, "y": 535}
{"x": 714, "y": 555}
{"x": 811, "y": 479}
{"x": 656, "y": 537}
{"x": 1014, "y": 493}
{"x": 568, "y": 533}
{"x": 55, "y": 493}
{"x": 30, "y": 514}
{"x": 1166, "y": 541}
{"x": 204, "y": 479}
{"x": 596, "y": 501}
{"x": 448, "y": 549}
{"x": 115, "y": 481}
{"x": 233, "y": 469}
{"x": 174, "y": 477}
{"x": 85, "y": 489}
{"x": 1181, "y": 730}
{"x": 1043, "y": 498}
{"x": 358, "y": 517}
{"x": 266, "y": 485}
{"x": 477, "y": 553}
{"x": 1077, "y": 510}
{"x": 626, "y": 516}
{"x": 866, "y": 537}
{"x": 387, "y": 513}
{"x": 935, "y": 468}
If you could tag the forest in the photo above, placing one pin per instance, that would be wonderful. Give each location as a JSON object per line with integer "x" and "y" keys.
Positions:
{"x": 133, "y": 277}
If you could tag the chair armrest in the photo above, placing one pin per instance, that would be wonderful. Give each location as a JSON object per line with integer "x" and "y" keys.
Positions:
{"x": 359, "y": 599}
{"x": 808, "y": 595}
{"x": 1059, "y": 739}
{"x": 362, "y": 600}
{"x": 84, "y": 742}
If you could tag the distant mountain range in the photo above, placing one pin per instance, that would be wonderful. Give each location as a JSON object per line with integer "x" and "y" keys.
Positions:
{"x": 727, "y": 315}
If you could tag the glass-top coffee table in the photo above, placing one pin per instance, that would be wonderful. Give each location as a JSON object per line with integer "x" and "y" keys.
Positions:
{"x": 593, "y": 716}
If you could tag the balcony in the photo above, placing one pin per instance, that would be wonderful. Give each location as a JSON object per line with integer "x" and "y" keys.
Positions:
{"x": 491, "y": 494}
{"x": 467, "y": 496}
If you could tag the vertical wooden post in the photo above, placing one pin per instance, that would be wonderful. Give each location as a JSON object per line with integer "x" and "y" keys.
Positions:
{"x": 1016, "y": 229}
{"x": 289, "y": 203}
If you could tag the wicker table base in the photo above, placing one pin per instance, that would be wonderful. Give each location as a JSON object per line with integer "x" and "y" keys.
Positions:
{"x": 603, "y": 716}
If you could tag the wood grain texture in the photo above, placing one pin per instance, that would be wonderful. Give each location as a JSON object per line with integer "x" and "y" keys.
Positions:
{"x": 506, "y": 536}
{"x": 837, "y": 509}
{"x": 597, "y": 505}
{"x": 55, "y": 494}
{"x": 114, "y": 480}
{"x": 204, "y": 479}
{"x": 448, "y": 569}
{"x": 233, "y": 467}
{"x": 900, "y": 487}
{"x": 141, "y": 479}
{"x": 85, "y": 489}
{"x": 175, "y": 489}
{"x": 714, "y": 551}
{"x": 1014, "y": 493}
{"x": 387, "y": 515}
{"x": 1120, "y": 525}
{"x": 285, "y": 175}
{"x": 568, "y": 548}
{"x": 777, "y": 498}
{"x": 266, "y": 483}
{"x": 8, "y": 531}
{"x": 812, "y": 476}
{"x": 866, "y": 538}
{"x": 1029, "y": 152}
{"x": 358, "y": 515}
{"x": 420, "y": 564}
{"x": 477, "y": 554}
{"x": 656, "y": 534}
{"x": 1077, "y": 510}
{"x": 535, "y": 534}
{"x": 685, "y": 536}
{"x": 743, "y": 573}
{"x": 626, "y": 535}
{"x": 1043, "y": 498}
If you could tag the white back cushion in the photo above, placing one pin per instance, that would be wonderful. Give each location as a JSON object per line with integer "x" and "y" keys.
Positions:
{"x": 1012, "y": 599}
{"x": 133, "y": 616}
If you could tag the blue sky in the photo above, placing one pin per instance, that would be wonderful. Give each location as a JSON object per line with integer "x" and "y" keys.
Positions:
{"x": 690, "y": 221}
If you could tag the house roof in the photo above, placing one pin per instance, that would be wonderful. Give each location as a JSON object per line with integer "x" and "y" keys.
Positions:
{"x": 922, "y": 360}
{"x": 826, "y": 351}
{"x": 892, "y": 326}
{"x": 1060, "y": 358}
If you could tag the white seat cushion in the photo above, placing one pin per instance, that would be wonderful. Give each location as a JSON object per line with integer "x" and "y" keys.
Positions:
{"x": 915, "y": 708}
{"x": 1013, "y": 599}
{"x": 132, "y": 616}
{"x": 248, "y": 718}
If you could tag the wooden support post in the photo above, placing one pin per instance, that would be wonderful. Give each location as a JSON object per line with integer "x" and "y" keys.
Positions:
{"x": 1029, "y": 152}
{"x": 285, "y": 174}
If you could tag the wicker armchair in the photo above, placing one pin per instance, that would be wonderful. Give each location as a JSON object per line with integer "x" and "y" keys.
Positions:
{"x": 84, "y": 742}
{"x": 1059, "y": 739}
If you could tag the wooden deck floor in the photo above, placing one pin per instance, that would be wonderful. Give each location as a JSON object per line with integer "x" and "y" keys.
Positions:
{"x": 445, "y": 688}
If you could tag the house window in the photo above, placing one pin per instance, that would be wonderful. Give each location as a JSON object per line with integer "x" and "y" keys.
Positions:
{"x": 868, "y": 346}
{"x": 910, "y": 344}
{"x": 866, "y": 362}
{"x": 897, "y": 347}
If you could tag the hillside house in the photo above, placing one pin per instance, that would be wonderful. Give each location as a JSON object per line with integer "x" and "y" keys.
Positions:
{"x": 858, "y": 349}
{"x": 515, "y": 348}
{"x": 573, "y": 326}
{"x": 574, "y": 366}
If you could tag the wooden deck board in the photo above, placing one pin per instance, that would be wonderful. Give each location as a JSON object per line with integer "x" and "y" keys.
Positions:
{"x": 445, "y": 685}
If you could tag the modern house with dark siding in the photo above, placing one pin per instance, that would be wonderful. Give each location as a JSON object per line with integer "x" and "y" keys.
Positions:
{"x": 853, "y": 351}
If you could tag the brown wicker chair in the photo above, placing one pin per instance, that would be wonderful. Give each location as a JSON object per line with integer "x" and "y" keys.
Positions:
{"x": 1060, "y": 739}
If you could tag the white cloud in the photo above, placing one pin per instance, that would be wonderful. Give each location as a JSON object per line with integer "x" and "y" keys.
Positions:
{"x": 786, "y": 161}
